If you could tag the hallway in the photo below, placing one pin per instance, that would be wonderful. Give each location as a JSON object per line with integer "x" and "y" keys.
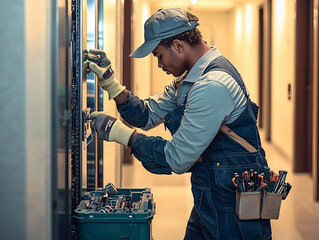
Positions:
{"x": 299, "y": 216}
{"x": 46, "y": 160}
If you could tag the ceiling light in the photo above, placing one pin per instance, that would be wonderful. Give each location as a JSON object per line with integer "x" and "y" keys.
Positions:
{"x": 194, "y": 2}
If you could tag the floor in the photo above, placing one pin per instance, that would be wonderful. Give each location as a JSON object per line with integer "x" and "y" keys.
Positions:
{"x": 299, "y": 216}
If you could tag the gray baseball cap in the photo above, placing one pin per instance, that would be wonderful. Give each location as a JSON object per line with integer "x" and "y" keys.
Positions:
{"x": 163, "y": 24}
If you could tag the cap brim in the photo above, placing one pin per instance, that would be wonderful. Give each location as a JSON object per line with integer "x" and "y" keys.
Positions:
{"x": 145, "y": 49}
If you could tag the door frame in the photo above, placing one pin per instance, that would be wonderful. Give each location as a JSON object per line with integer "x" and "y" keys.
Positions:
{"x": 303, "y": 104}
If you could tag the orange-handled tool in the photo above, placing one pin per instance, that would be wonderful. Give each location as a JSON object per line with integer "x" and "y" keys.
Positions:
{"x": 234, "y": 182}
{"x": 275, "y": 177}
{"x": 261, "y": 179}
{"x": 273, "y": 180}
{"x": 262, "y": 184}
{"x": 234, "y": 179}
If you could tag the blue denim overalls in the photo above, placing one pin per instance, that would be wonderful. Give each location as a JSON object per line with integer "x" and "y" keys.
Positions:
{"x": 213, "y": 215}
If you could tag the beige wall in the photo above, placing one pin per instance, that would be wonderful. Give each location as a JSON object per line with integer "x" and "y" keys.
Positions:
{"x": 214, "y": 26}
{"x": 142, "y": 66}
{"x": 38, "y": 117}
{"x": 283, "y": 73}
{"x": 245, "y": 58}
{"x": 112, "y": 38}
{"x": 26, "y": 140}
{"x": 244, "y": 45}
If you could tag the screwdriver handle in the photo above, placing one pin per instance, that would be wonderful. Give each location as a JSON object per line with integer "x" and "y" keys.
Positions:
{"x": 255, "y": 179}
{"x": 261, "y": 186}
{"x": 281, "y": 180}
{"x": 275, "y": 178}
{"x": 233, "y": 180}
{"x": 271, "y": 186}
{"x": 245, "y": 175}
{"x": 240, "y": 189}
{"x": 287, "y": 190}
{"x": 267, "y": 176}
{"x": 262, "y": 179}
{"x": 250, "y": 186}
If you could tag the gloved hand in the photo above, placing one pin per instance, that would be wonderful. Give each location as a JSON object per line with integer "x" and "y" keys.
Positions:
{"x": 101, "y": 65}
{"x": 111, "y": 129}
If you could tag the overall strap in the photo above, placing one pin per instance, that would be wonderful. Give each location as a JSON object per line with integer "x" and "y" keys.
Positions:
{"x": 222, "y": 64}
{"x": 237, "y": 138}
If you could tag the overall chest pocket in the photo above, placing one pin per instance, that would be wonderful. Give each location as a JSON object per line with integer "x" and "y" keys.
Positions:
{"x": 225, "y": 174}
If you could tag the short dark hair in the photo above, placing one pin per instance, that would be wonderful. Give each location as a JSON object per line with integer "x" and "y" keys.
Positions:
{"x": 192, "y": 37}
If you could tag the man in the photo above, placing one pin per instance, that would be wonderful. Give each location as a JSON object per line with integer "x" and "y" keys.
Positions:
{"x": 206, "y": 108}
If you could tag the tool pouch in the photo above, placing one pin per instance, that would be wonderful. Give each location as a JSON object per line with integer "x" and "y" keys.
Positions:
{"x": 255, "y": 205}
{"x": 270, "y": 207}
{"x": 248, "y": 205}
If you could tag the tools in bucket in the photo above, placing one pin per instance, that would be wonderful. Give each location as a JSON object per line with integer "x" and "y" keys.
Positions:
{"x": 113, "y": 200}
{"x": 259, "y": 195}
{"x": 251, "y": 181}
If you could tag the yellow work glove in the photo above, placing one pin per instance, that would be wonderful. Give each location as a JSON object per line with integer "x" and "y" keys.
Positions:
{"x": 101, "y": 66}
{"x": 111, "y": 129}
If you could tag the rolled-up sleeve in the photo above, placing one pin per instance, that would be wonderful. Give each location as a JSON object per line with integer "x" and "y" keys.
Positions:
{"x": 208, "y": 105}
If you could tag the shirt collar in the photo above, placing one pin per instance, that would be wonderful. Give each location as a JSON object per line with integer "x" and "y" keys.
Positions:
{"x": 199, "y": 67}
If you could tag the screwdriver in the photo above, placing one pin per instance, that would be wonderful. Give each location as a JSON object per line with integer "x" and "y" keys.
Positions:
{"x": 262, "y": 184}
{"x": 273, "y": 181}
{"x": 282, "y": 179}
{"x": 266, "y": 173}
{"x": 251, "y": 179}
{"x": 247, "y": 180}
{"x": 236, "y": 182}
{"x": 286, "y": 191}
{"x": 255, "y": 179}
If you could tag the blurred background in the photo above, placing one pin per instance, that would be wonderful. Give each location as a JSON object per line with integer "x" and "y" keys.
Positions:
{"x": 46, "y": 160}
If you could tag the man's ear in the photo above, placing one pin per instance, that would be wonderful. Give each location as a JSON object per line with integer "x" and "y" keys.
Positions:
{"x": 178, "y": 46}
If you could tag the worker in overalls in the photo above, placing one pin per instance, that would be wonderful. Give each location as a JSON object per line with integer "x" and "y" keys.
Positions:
{"x": 204, "y": 107}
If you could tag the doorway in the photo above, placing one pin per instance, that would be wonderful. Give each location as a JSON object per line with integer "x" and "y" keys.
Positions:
{"x": 303, "y": 114}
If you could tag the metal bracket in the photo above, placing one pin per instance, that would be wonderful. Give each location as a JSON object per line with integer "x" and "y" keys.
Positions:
{"x": 87, "y": 136}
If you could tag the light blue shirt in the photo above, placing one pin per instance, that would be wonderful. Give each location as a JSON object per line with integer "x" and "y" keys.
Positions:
{"x": 215, "y": 98}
